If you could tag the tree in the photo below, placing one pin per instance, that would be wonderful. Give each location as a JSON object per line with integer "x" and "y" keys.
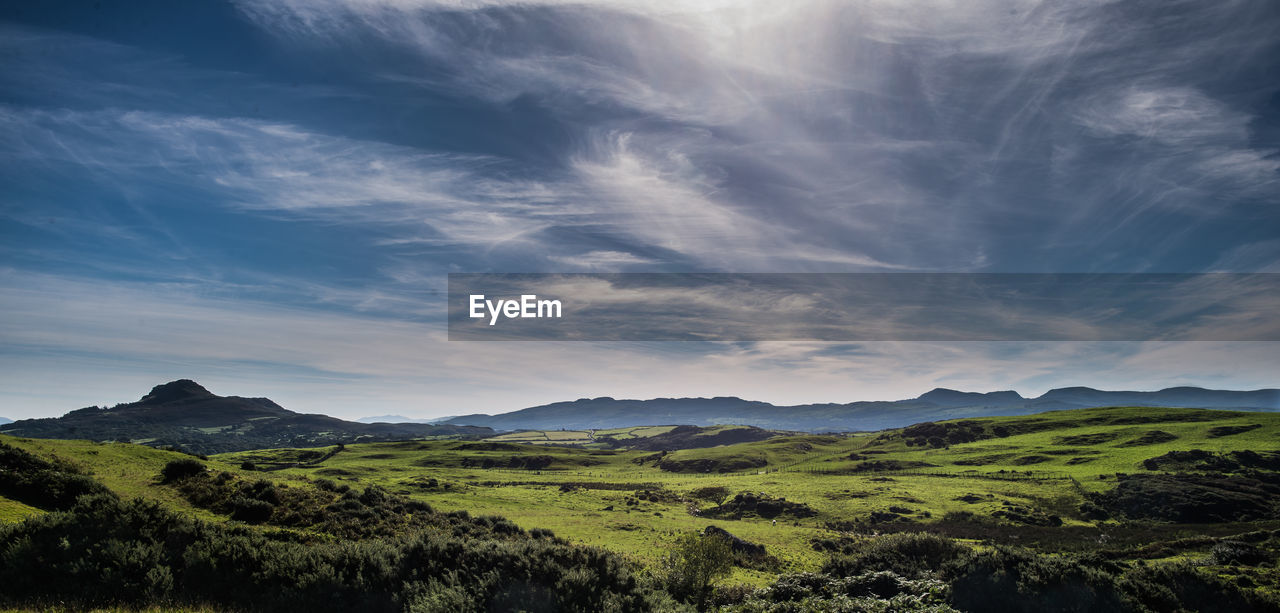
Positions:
{"x": 695, "y": 563}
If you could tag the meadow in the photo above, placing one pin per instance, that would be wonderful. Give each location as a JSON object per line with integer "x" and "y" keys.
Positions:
{"x": 1046, "y": 481}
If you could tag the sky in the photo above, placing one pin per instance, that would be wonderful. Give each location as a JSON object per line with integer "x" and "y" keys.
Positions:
{"x": 267, "y": 196}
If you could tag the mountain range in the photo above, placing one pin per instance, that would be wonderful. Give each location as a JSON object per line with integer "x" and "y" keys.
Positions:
{"x": 185, "y": 415}
{"x": 934, "y": 405}
{"x": 399, "y": 419}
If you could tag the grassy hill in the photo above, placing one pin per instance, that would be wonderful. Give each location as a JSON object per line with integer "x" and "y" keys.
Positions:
{"x": 1006, "y": 481}
{"x": 1133, "y": 485}
{"x": 652, "y": 438}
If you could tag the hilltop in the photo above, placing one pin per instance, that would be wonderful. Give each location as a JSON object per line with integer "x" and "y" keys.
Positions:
{"x": 938, "y": 404}
{"x": 184, "y": 414}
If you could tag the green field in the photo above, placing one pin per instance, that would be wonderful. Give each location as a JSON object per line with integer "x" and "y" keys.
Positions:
{"x": 1038, "y": 469}
{"x": 589, "y": 438}
{"x": 590, "y": 496}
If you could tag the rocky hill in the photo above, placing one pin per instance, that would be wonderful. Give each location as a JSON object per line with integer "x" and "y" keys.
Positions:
{"x": 184, "y": 414}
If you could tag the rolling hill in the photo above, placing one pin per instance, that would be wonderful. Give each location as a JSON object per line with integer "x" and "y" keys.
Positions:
{"x": 184, "y": 414}
{"x": 604, "y": 413}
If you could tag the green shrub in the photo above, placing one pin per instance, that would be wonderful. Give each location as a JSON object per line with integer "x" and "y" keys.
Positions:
{"x": 910, "y": 554}
{"x": 185, "y": 468}
{"x": 49, "y": 485}
{"x": 695, "y": 563}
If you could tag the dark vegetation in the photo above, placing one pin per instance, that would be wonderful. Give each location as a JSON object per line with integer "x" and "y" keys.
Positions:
{"x": 104, "y": 551}
{"x": 712, "y": 465}
{"x": 1193, "y": 498}
{"x": 1201, "y": 460}
{"x": 691, "y": 437}
{"x": 943, "y": 434}
{"x": 749, "y": 504}
{"x": 919, "y": 572}
{"x": 41, "y": 483}
{"x": 329, "y": 508}
{"x": 101, "y": 551}
{"x": 1219, "y": 431}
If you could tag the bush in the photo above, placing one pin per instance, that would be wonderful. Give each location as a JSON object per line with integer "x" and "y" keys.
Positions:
{"x": 251, "y": 510}
{"x": 910, "y": 554}
{"x": 49, "y": 485}
{"x": 1236, "y": 553}
{"x": 712, "y": 493}
{"x": 105, "y": 552}
{"x": 695, "y": 563}
{"x": 185, "y": 468}
{"x": 1018, "y": 581}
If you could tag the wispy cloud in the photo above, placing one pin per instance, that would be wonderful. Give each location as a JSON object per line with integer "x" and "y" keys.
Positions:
{"x": 323, "y": 176}
{"x": 833, "y": 126}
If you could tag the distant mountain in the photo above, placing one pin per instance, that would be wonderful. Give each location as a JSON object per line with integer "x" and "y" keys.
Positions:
{"x": 944, "y": 397}
{"x": 399, "y": 419}
{"x": 184, "y": 414}
{"x": 5, "y": 420}
{"x": 934, "y": 405}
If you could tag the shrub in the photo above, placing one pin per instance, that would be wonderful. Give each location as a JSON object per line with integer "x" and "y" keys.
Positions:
{"x": 695, "y": 563}
{"x": 251, "y": 510}
{"x": 1236, "y": 553}
{"x": 50, "y": 485}
{"x": 1018, "y": 581}
{"x": 185, "y": 468}
{"x": 712, "y": 493}
{"x": 910, "y": 554}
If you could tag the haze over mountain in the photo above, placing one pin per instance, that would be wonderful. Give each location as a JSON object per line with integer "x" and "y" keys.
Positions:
{"x": 5, "y": 420}
{"x": 400, "y": 419}
{"x": 936, "y": 404}
{"x": 186, "y": 415}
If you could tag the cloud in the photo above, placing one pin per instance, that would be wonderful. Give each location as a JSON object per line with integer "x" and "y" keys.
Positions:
{"x": 305, "y": 202}
{"x": 1199, "y": 138}
{"x": 600, "y": 260}
{"x": 74, "y": 343}
{"x": 865, "y": 135}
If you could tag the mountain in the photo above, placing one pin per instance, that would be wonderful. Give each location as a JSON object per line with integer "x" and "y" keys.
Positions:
{"x": 944, "y": 397}
{"x": 399, "y": 419}
{"x": 934, "y": 405}
{"x": 1191, "y": 397}
{"x": 184, "y": 414}
{"x": 5, "y": 420}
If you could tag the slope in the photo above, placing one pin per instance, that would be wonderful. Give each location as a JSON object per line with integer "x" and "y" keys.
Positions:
{"x": 183, "y": 414}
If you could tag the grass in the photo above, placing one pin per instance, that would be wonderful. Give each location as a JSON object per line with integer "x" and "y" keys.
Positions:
{"x": 592, "y": 438}
{"x": 605, "y": 497}
{"x": 14, "y": 511}
{"x": 130, "y": 470}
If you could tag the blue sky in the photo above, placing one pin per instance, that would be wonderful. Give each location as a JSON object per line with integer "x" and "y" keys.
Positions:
{"x": 267, "y": 195}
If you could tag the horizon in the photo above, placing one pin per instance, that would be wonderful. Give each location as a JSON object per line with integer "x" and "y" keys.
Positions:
{"x": 271, "y": 194}
{"x": 585, "y": 399}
